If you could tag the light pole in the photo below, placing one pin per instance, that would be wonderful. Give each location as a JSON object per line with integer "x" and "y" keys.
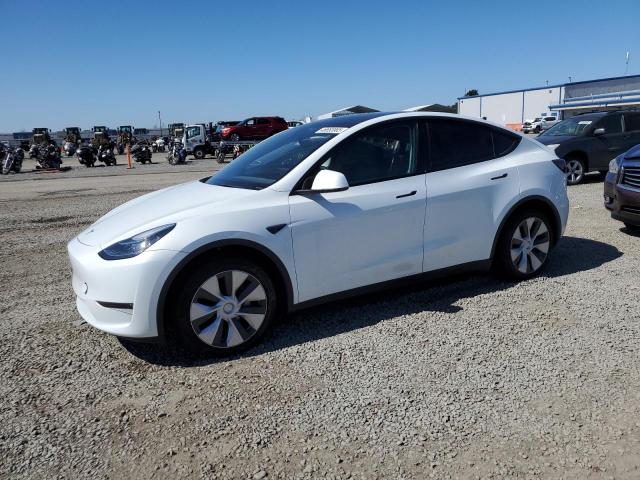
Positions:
{"x": 160, "y": 121}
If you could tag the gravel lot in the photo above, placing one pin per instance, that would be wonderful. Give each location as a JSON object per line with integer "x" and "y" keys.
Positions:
{"x": 468, "y": 378}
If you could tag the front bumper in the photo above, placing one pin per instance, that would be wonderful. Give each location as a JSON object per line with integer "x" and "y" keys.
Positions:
{"x": 129, "y": 288}
{"x": 623, "y": 202}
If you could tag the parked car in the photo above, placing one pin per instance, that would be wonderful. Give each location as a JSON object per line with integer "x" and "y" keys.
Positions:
{"x": 321, "y": 211}
{"x": 255, "y": 128}
{"x": 622, "y": 189}
{"x": 590, "y": 141}
{"x": 539, "y": 124}
{"x": 216, "y": 135}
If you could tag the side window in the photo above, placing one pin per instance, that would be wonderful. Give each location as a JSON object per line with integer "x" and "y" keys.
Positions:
{"x": 632, "y": 122}
{"x": 378, "y": 153}
{"x": 503, "y": 142}
{"x": 251, "y": 123}
{"x": 611, "y": 123}
{"x": 262, "y": 121}
{"x": 550, "y": 119}
{"x": 454, "y": 143}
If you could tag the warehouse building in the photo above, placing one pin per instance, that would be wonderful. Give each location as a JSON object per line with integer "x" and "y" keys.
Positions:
{"x": 513, "y": 107}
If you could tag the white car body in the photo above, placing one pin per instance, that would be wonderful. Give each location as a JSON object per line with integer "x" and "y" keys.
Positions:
{"x": 331, "y": 242}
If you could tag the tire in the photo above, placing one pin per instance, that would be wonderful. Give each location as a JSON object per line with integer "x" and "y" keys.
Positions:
{"x": 204, "y": 330}
{"x": 199, "y": 153}
{"x": 220, "y": 156}
{"x": 576, "y": 170}
{"x": 632, "y": 228}
{"x": 234, "y": 137}
{"x": 519, "y": 254}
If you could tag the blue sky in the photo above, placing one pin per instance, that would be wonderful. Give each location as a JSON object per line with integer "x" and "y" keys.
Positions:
{"x": 67, "y": 63}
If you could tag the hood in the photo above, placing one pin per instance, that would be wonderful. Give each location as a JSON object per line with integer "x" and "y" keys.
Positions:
{"x": 155, "y": 209}
{"x": 552, "y": 140}
{"x": 633, "y": 153}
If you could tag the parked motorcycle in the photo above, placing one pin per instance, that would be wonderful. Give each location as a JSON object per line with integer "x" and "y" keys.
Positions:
{"x": 70, "y": 148}
{"x": 48, "y": 157}
{"x": 106, "y": 155}
{"x": 34, "y": 151}
{"x": 177, "y": 153}
{"x": 141, "y": 153}
{"x": 13, "y": 158}
{"x": 86, "y": 156}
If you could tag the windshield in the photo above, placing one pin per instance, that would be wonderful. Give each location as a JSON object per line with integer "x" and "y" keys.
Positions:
{"x": 270, "y": 160}
{"x": 193, "y": 132}
{"x": 571, "y": 127}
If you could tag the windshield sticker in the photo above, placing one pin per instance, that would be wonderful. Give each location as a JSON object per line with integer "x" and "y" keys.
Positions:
{"x": 333, "y": 130}
{"x": 584, "y": 122}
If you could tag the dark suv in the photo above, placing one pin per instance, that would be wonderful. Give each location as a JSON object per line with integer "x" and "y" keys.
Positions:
{"x": 588, "y": 142}
{"x": 622, "y": 189}
{"x": 254, "y": 128}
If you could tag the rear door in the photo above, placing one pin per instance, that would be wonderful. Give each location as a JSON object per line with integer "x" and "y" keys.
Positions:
{"x": 631, "y": 130}
{"x": 608, "y": 146}
{"x": 470, "y": 180}
{"x": 263, "y": 127}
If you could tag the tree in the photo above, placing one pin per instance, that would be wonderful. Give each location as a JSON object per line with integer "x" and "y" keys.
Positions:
{"x": 471, "y": 93}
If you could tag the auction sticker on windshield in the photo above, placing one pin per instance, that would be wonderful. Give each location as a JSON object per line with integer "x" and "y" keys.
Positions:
{"x": 334, "y": 130}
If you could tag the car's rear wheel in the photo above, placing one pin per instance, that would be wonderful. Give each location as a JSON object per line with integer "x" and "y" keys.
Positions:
{"x": 525, "y": 244}
{"x": 199, "y": 153}
{"x": 225, "y": 306}
{"x": 575, "y": 171}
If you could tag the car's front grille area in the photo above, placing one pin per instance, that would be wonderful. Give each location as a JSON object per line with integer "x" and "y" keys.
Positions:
{"x": 631, "y": 177}
{"x": 634, "y": 210}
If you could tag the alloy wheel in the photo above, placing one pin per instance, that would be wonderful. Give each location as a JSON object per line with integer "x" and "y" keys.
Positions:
{"x": 530, "y": 245}
{"x": 575, "y": 171}
{"x": 228, "y": 309}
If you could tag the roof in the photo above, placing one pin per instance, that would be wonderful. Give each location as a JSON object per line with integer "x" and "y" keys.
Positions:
{"x": 431, "y": 107}
{"x": 549, "y": 86}
{"x": 348, "y": 110}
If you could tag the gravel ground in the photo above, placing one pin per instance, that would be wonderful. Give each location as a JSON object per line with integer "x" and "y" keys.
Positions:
{"x": 468, "y": 378}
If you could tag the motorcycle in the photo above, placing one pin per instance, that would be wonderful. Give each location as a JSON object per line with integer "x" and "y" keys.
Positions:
{"x": 34, "y": 151}
{"x": 159, "y": 145}
{"x": 177, "y": 154}
{"x": 12, "y": 160}
{"x": 141, "y": 153}
{"x": 86, "y": 156}
{"x": 105, "y": 155}
{"x": 70, "y": 148}
{"x": 48, "y": 157}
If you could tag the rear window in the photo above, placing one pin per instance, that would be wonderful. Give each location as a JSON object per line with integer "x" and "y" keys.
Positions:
{"x": 632, "y": 122}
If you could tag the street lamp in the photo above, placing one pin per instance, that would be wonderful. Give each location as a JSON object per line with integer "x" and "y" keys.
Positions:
{"x": 160, "y": 121}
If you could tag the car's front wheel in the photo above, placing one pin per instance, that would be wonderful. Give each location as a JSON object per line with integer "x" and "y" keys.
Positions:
{"x": 525, "y": 244}
{"x": 575, "y": 171}
{"x": 225, "y": 306}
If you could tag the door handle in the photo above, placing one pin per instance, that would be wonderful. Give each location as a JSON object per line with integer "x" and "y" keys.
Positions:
{"x": 504, "y": 175}
{"x": 407, "y": 194}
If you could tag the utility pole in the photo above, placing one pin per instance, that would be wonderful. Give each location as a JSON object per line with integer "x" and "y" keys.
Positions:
{"x": 160, "y": 122}
{"x": 626, "y": 65}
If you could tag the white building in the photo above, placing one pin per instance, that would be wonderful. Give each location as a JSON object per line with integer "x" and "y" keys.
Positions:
{"x": 512, "y": 108}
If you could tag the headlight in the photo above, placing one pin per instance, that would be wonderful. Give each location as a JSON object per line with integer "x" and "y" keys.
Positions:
{"x": 614, "y": 166}
{"x": 553, "y": 146}
{"x": 135, "y": 245}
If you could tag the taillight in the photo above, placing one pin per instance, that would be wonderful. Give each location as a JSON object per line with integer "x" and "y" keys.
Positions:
{"x": 561, "y": 164}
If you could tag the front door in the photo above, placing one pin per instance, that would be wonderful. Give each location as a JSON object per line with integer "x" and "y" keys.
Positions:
{"x": 608, "y": 146}
{"x": 372, "y": 232}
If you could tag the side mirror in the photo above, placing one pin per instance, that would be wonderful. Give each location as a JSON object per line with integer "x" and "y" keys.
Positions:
{"x": 327, "y": 181}
{"x": 599, "y": 131}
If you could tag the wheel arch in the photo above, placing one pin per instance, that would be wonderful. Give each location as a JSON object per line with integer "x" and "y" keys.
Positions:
{"x": 532, "y": 201}
{"x": 261, "y": 254}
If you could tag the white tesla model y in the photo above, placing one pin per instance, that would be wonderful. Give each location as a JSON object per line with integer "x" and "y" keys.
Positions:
{"x": 326, "y": 209}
